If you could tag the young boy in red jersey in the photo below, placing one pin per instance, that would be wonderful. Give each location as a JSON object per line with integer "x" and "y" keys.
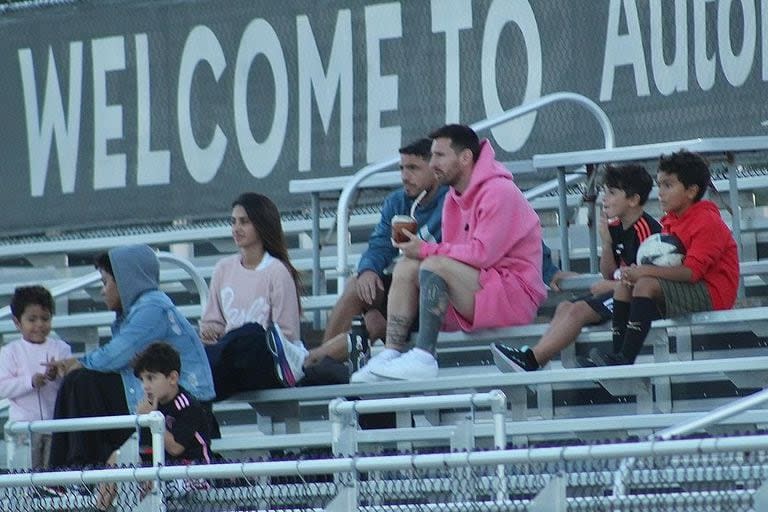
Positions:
{"x": 708, "y": 277}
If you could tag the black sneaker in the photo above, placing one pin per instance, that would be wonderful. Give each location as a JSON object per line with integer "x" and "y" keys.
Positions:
{"x": 509, "y": 359}
{"x": 584, "y": 362}
{"x": 601, "y": 358}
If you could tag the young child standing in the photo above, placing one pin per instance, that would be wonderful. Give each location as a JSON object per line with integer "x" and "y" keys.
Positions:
{"x": 623, "y": 227}
{"x": 708, "y": 277}
{"x": 24, "y": 380}
{"x": 187, "y": 425}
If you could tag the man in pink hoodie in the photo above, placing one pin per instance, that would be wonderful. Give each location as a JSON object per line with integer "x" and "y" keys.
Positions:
{"x": 485, "y": 273}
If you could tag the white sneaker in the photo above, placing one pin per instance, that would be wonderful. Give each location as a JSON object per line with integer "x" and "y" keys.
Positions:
{"x": 365, "y": 373}
{"x": 289, "y": 356}
{"x": 415, "y": 364}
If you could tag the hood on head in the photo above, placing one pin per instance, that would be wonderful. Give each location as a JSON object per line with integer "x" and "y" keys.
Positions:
{"x": 486, "y": 168}
{"x": 136, "y": 271}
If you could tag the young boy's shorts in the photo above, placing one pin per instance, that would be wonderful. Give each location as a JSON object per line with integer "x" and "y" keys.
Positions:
{"x": 681, "y": 298}
{"x": 602, "y": 304}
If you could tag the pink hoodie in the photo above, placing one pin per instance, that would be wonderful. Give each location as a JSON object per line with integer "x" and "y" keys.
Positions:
{"x": 492, "y": 227}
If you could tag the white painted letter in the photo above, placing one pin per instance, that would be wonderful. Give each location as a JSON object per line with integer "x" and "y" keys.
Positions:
{"x": 202, "y": 162}
{"x": 623, "y": 50}
{"x": 736, "y": 68}
{"x": 338, "y": 80}
{"x": 451, "y": 16}
{"x": 764, "y": 37}
{"x": 672, "y": 77}
{"x": 152, "y": 167}
{"x": 108, "y": 54}
{"x": 705, "y": 66}
{"x": 41, "y": 129}
{"x": 510, "y": 136}
{"x": 259, "y": 38}
{"x": 382, "y": 21}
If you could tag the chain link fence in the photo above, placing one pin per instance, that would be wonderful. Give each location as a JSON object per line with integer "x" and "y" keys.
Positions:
{"x": 723, "y": 474}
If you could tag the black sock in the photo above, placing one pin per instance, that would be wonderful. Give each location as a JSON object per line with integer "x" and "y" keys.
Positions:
{"x": 642, "y": 312}
{"x": 619, "y": 325}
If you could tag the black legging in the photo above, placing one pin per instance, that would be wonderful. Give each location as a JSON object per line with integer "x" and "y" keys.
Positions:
{"x": 241, "y": 361}
{"x": 85, "y": 393}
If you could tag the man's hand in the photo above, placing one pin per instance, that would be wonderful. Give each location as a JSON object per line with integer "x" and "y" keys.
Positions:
{"x": 411, "y": 248}
{"x": 39, "y": 380}
{"x": 368, "y": 286}
{"x": 146, "y": 405}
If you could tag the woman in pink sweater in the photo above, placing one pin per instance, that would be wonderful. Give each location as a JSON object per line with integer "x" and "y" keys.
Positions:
{"x": 253, "y": 311}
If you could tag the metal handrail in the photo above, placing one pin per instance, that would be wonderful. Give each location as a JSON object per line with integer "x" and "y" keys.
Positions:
{"x": 707, "y": 419}
{"x": 342, "y": 220}
{"x": 93, "y": 277}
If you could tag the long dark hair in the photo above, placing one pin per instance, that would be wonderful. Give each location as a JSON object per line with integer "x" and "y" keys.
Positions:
{"x": 265, "y": 217}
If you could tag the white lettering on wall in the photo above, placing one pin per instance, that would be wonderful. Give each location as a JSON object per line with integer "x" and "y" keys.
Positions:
{"x": 673, "y": 76}
{"x": 623, "y": 49}
{"x": 450, "y": 17}
{"x": 764, "y": 37}
{"x": 337, "y": 81}
{"x": 511, "y": 136}
{"x": 152, "y": 167}
{"x": 41, "y": 129}
{"x": 736, "y": 66}
{"x": 202, "y": 162}
{"x": 259, "y": 38}
{"x": 382, "y": 21}
{"x": 703, "y": 63}
{"x": 108, "y": 54}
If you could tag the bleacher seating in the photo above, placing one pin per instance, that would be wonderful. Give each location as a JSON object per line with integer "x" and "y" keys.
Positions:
{"x": 691, "y": 364}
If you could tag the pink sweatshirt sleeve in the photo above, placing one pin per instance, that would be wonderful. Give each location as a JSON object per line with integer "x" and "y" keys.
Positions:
{"x": 14, "y": 382}
{"x": 502, "y": 221}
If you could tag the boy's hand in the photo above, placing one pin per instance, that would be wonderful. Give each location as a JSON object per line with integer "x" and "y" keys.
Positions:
{"x": 39, "y": 380}
{"x": 146, "y": 405}
{"x": 602, "y": 228}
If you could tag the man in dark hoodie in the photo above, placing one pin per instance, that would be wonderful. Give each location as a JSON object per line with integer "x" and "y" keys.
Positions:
{"x": 101, "y": 382}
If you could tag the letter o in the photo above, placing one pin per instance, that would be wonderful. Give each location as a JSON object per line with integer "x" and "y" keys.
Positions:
{"x": 511, "y": 136}
{"x": 259, "y": 38}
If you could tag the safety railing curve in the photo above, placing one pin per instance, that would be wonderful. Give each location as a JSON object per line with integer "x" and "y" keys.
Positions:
{"x": 93, "y": 277}
{"x": 342, "y": 214}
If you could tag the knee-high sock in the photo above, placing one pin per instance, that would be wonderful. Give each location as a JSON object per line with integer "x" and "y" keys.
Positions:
{"x": 433, "y": 302}
{"x": 641, "y": 313}
{"x": 619, "y": 323}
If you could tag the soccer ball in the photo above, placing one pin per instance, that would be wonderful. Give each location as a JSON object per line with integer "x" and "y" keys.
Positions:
{"x": 662, "y": 250}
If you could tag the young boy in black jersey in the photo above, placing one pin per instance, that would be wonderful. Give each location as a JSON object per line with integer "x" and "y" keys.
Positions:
{"x": 623, "y": 226}
{"x": 187, "y": 426}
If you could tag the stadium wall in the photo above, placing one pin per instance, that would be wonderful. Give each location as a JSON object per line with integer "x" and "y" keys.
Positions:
{"x": 147, "y": 111}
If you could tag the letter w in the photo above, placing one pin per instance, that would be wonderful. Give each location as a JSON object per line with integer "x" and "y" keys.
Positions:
{"x": 41, "y": 129}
